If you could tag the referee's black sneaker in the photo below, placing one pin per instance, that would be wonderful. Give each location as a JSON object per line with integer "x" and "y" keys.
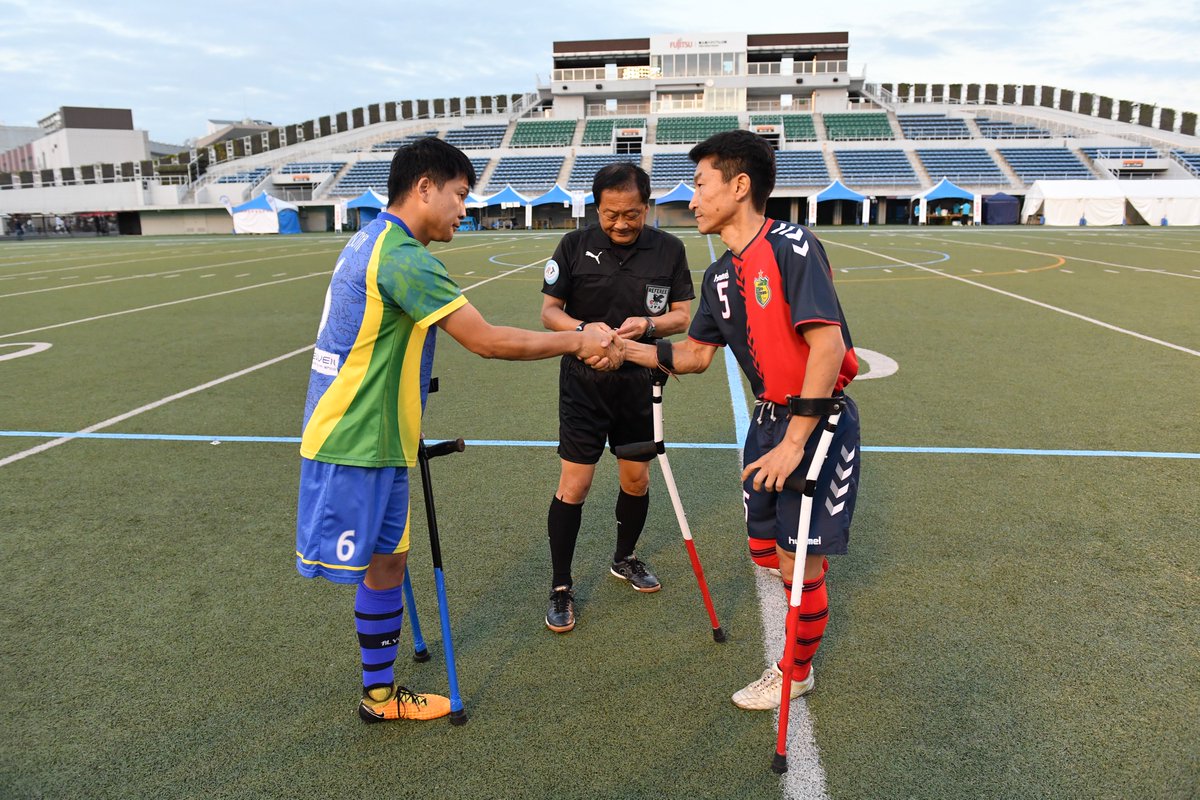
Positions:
{"x": 634, "y": 570}
{"x": 560, "y": 617}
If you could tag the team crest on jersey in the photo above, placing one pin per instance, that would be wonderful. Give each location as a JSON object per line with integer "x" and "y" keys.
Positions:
{"x": 551, "y": 272}
{"x": 656, "y": 298}
{"x": 762, "y": 290}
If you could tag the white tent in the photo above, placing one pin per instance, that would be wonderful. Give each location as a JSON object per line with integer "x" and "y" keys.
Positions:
{"x": 1103, "y": 202}
{"x": 1177, "y": 202}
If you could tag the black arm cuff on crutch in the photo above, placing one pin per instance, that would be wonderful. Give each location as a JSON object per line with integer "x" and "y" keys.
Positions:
{"x": 815, "y": 406}
{"x": 666, "y": 354}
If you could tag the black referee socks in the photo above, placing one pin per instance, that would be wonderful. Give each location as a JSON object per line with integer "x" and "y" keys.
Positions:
{"x": 562, "y": 523}
{"x": 631, "y": 518}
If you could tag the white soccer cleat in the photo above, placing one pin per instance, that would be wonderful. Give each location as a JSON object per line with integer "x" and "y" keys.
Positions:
{"x": 764, "y": 693}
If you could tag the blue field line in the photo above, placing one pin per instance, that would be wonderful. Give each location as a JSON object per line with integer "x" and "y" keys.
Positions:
{"x": 983, "y": 451}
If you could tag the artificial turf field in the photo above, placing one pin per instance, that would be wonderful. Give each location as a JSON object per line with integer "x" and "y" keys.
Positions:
{"x": 1018, "y": 616}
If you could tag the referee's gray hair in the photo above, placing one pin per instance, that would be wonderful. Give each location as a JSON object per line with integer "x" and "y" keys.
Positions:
{"x": 621, "y": 175}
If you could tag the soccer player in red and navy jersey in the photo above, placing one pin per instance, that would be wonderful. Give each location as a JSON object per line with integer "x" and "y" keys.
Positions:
{"x": 770, "y": 299}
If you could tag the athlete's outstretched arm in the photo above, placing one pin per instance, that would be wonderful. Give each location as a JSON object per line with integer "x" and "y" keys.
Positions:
{"x": 472, "y": 331}
{"x": 688, "y": 356}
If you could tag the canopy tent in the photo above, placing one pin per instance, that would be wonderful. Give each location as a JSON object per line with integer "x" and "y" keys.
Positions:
{"x": 506, "y": 196}
{"x": 1076, "y": 202}
{"x": 475, "y": 201}
{"x": 838, "y": 191}
{"x": 369, "y": 204}
{"x": 682, "y": 193}
{"x": 1001, "y": 209}
{"x": 945, "y": 189}
{"x": 266, "y": 214}
{"x": 1165, "y": 202}
{"x": 1104, "y": 202}
{"x": 555, "y": 195}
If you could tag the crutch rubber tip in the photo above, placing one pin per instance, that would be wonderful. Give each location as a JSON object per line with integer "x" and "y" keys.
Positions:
{"x": 458, "y": 717}
{"x": 718, "y": 634}
{"x": 779, "y": 764}
{"x": 421, "y": 656}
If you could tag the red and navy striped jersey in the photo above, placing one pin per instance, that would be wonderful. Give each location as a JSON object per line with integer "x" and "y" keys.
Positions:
{"x": 756, "y": 302}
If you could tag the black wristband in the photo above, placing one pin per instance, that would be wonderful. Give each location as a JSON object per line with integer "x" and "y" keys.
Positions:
{"x": 579, "y": 327}
{"x": 814, "y": 406}
{"x": 666, "y": 354}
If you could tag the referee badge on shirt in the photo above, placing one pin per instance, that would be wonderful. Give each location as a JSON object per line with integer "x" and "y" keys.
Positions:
{"x": 656, "y": 298}
{"x": 551, "y": 271}
{"x": 762, "y": 290}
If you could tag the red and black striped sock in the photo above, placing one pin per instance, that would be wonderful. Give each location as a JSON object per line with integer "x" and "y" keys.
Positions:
{"x": 762, "y": 552}
{"x": 810, "y": 627}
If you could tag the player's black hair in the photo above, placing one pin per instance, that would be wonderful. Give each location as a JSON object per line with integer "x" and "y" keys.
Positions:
{"x": 427, "y": 158}
{"x": 621, "y": 175}
{"x": 735, "y": 152}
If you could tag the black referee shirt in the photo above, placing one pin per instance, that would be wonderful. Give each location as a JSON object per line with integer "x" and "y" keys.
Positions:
{"x": 601, "y": 282}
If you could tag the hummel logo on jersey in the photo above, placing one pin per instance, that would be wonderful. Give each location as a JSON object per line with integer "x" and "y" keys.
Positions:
{"x": 724, "y": 276}
{"x": 596, "y": 256}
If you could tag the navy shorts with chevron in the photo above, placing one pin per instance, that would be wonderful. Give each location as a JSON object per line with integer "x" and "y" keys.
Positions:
{"x": 776, "y": 515}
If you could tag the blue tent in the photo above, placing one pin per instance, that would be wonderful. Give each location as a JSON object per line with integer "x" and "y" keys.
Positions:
{"x": 555, "y": 195}
{"x": 369, "y": 204}
{"x": 838, "y": 191}
{"x": 266, "y": 214}
{"x": 1001, "y": 209}
{"x": 945, "y": 189}
{"x": 682, "y": 193}
{"x": 507, "y": 195}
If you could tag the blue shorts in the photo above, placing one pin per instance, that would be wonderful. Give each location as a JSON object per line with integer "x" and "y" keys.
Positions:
{"x": 776, "y": 515}
{"x": 347, "y": 514}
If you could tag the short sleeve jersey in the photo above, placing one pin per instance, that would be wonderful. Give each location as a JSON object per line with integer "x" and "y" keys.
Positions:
{"x": 756, "y": 303}
{"x": 602, "y": 283}
{"x": 374, "y": 352}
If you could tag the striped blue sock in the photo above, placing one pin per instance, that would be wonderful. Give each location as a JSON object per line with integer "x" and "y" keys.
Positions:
{"x": 377, "y": 617}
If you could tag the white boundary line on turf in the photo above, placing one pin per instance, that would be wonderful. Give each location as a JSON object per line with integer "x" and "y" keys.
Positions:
{"x": 140, "y": 409}
{"x": 1074, "y": 258}
{"x": 1022, "y": 298}
{"x": 215, "y": 382}
{"x": 163, "y": 305}
{"x": 805, "y": 778}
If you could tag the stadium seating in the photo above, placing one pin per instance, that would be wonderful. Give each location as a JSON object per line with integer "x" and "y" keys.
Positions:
{"x": 311, "y": 167}
{"x": 1045, "y": 163}
{"x": 480, "y": 165}
{"x": 252, "y": 176}
{"x": 395, "y": 144}
{"x": 933, "y": 126}
{"x": 865, "y": 125}
{"x": 796, "y": 127}
{"x": 963, "y": 166}
{"x": 598, "y": 131}
{"x": 586, "y": 166}
{"x": 801, "y": 168}
{"x": 995, "y": 129}
{"x": 689, "y": 130}
{"x": 875, "y": 167}
{"x": 477, "y": 137}
{"x": 526, "y": 172}
{"x": 668, "y": 169}
{"x": 1190, "y": 161}
{"x": 362, "y": 176}
{"x": 543, "y": 133}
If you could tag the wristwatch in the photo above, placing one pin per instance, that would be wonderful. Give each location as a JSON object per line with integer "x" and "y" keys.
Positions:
{"x": 650, "y": 326}
{"x": 579, "y": 327}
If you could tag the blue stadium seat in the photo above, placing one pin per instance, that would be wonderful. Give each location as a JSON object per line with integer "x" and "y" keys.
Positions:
{"x": 586, "y": 167}
{"x": 526, "y": 173}
{"x": 1045, "y": 163}
{"x": 933, "y": 126}
{"x": 875, "y": 167}
{"x": 962, "y": 166}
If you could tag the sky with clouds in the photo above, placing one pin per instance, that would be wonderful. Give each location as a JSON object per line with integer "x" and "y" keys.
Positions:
{"x": 179, "y": 64}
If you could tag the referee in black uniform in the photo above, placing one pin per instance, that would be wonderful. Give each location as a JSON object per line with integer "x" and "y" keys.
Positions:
{"x": 625, "y": 277}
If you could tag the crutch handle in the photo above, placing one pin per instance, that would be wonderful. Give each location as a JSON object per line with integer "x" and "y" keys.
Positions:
{"x": 444, "y": 448}
{"x": 635, "y": 449}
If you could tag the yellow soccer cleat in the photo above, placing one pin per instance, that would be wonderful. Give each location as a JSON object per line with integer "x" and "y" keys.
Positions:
{"x": 398, "y": 702}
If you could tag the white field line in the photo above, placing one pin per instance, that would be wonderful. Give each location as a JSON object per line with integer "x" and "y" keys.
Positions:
{"x": 162, "y": 305}
{"x": 1073, "y": 258}
{"x": 165, "y": 272}
{"x": 1022, "y": 298}
{"x": 141, "y": 409}
{"x": 186, "y": 392}
{"x": 805, "y": 778}
{"x": 124, "y": 261}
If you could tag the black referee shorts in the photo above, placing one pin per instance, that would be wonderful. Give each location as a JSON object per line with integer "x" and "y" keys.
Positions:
{"x": 594, "y": 406}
